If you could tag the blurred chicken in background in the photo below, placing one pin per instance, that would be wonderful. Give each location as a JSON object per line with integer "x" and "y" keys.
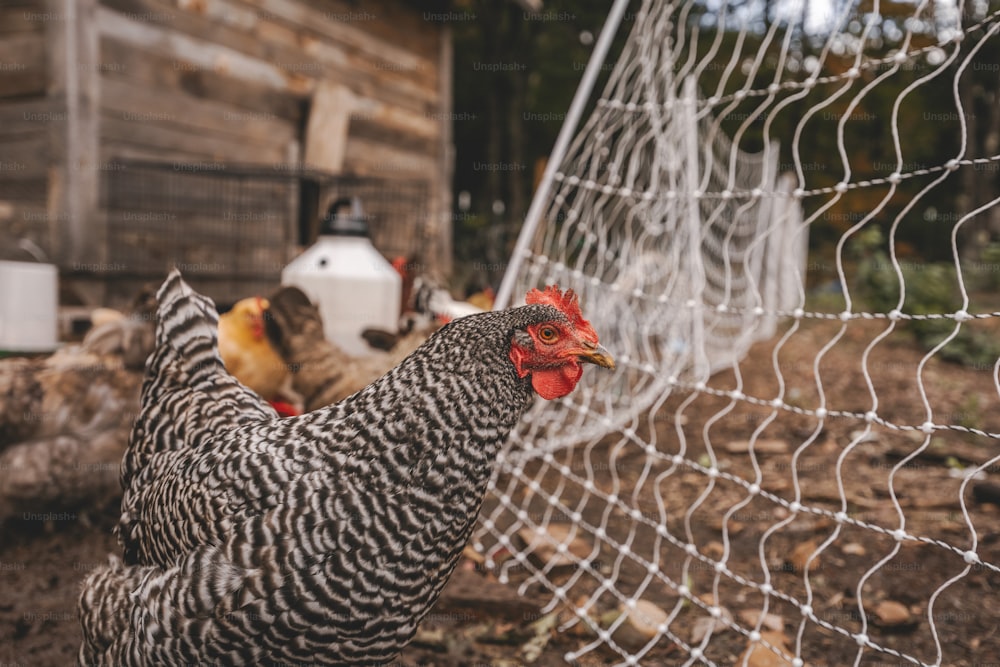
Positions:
{"x": 424, "y": 295}
{"x": 65, "y": 418}
{"x": 425, "y": 304}
{"x": 249, "y": 357}
{"x": 323, "y": 373}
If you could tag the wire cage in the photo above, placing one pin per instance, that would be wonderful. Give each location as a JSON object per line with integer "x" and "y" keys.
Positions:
{"x": 232, "y": 229}
{"x": 396, "y": 212}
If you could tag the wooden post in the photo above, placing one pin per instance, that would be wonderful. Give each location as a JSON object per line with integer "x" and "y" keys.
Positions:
{"x": 80, "y": 239}
{"x": 326, "y": 132}
{"x": 442, "y": 209}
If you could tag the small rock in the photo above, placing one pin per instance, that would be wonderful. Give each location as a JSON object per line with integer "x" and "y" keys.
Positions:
{"x": 853, "y": 549}
{"x": 641, "y": 624}
{"x": 891, "y": 614}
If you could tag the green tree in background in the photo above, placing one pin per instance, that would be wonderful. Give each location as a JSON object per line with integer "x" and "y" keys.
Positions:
{"x": 515, "y": 74}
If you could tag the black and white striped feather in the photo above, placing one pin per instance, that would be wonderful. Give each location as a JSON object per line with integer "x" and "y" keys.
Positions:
{"x": 319, "y": 539}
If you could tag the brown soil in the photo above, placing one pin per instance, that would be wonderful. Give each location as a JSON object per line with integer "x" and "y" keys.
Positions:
{"x": 479, "y": 622}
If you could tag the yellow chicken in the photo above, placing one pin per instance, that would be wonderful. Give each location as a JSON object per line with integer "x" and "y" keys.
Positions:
{"x": 248, "y": 355}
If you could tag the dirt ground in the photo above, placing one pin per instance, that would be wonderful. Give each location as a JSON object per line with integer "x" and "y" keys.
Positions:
{"x": 481, "y": 622}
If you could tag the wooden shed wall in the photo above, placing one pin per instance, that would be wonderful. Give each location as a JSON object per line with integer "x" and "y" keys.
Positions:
{"x": 361, "y": 88}
{"x": 28, "y": 119}
{"x": 250, "y": 81}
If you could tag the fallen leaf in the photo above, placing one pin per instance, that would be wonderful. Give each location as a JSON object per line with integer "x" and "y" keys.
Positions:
{"x": 701, "y": 628}
{"x": 473, "y": 555}
{"x": 771, "y": 622}
{"x": 707, "y": 624}
{"x": 571, "y": 622}
{"x": 801, "y": 555}
{"x": 542, "y": 633}
{"x": 862, "y": 436}
{"x": 714, "y": 549}
{"x": 641, "y": 624}
{"x": 430, "y": 637}
{"x": 758, "y": 655}
{"x": 760, "y": 446}
{"x": 545, "y": 546}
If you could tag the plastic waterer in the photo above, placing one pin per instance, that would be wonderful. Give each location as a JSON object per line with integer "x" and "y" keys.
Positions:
{"x": 349, "y": 280}
{"x": 29, "y": 300}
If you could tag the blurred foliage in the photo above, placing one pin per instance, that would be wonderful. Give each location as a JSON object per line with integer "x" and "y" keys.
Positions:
{"x": 511, "y": 115}
{"x": 931, "y": 288}
{"x": 515, "y": 74}
{"x": 984, "y": 273}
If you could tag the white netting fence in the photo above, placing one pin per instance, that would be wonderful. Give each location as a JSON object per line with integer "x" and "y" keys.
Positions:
{"x": 792, "y": 460}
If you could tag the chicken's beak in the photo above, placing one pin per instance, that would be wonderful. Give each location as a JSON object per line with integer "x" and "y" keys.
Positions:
{"x": 595, "y": 354}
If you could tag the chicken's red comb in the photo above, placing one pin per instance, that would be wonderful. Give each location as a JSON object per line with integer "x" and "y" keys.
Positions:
{"x": 567, "y": 303}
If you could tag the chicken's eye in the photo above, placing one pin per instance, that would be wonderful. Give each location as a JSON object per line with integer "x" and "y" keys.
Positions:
{"x": 548, "y": 334}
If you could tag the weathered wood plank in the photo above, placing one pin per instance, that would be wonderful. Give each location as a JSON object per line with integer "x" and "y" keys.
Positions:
{"x": 132, "y": 101}
{"x": 326, "y": 133}
{"x": 22, "y": 64}
{"x": 115, "y": 149}
{"x": 21, "y": 18}
{"x": 361, "y": 28}
{"x": 297, "y": 63}
{"x": 180, "y": 141}
{"x": 365, "y": 157}
{"x": 25, "y": 156}
{"x": 412, "y": 78}
{"x": 28, "y": 116}
{"x": 441, "y": 194}
{"x": 198, "y": 53}
{"x": 395, "y": 136}
{"x": 392, "y": 118}
{"x": 73, "y": 81}
{"x": 28, "y": 189}
{"x": 122, "y": 60}
{"x": 392, "y": 21}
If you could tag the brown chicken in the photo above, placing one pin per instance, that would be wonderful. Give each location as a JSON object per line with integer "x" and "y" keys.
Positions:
{"x": 322, "y": 373}
{"x": 248, "y": 355}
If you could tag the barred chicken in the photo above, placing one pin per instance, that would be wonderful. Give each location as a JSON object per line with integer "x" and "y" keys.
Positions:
{"x": 323, "y": 538}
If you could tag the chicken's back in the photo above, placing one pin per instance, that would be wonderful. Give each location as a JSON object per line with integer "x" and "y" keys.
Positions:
{"x": 187, "y": 395}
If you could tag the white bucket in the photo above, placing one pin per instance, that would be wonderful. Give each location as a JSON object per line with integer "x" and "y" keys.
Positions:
{"x": 29, "y": 298}
{"x": 354, "y": 287}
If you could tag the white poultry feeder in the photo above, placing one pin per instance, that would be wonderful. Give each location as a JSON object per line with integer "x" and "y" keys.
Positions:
{"x": 29, "y": 297}
{"x": 350, "y": 281}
